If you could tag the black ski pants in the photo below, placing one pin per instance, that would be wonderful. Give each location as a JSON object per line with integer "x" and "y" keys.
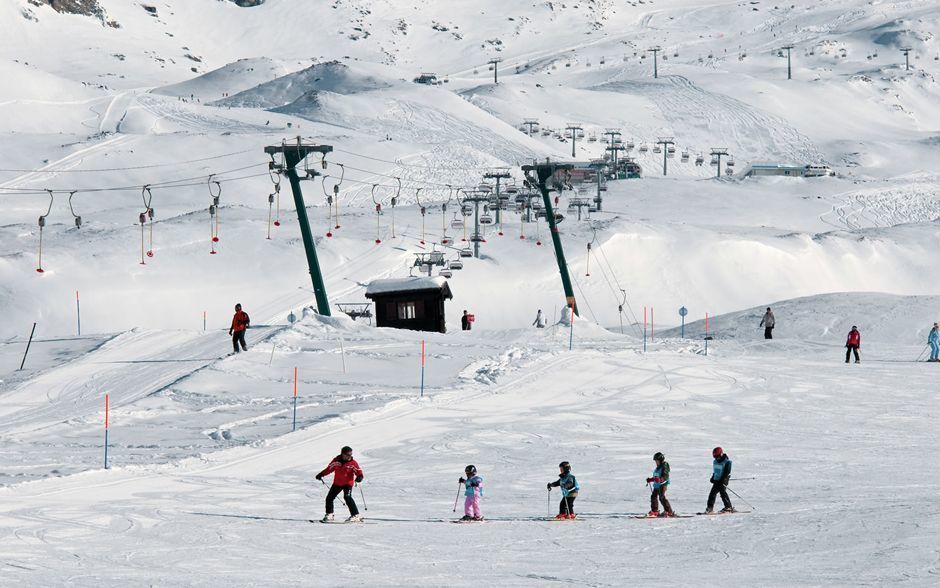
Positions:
{"x": 768, "y": 332}
{"x": 239, "y": 337}
{"x": 566, "y": 506}
{"x": 718, "y": 488}
{"x": 848, "y": 351}
{"x": 659, "y": 494}
{"x": 347, "y": 498}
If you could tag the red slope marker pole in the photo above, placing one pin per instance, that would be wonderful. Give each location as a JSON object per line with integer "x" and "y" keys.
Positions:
{"x": 106, "y": 411}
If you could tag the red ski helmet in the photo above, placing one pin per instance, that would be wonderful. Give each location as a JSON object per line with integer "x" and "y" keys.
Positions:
{"x": 717, "y": 452}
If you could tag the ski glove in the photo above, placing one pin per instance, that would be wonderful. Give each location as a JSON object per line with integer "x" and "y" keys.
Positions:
{"x": 230, "y": 332}
{"x": 358, "y": 479}
{"x": 319, "y": 477}
{"x": 461, "y": 480}
{"x": 549, "y": 486}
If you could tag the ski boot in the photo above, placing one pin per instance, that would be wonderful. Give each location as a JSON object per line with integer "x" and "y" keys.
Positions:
{"x": 466, "y": 518}
{"x": 728, "y": 509}
{"x": 653, "y": 513}
{"x": 477, "y": 519}
{"x": 354, "y": 519}
{"x": 709, "y": 511}
{"x": 572, "y": 516}
{"x": 667, "y": 514}
{"x": 327, "y": 518}
{"x": 561, "y": 516}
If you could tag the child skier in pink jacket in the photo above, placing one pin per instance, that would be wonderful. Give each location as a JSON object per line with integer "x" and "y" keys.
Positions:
{"x": 473, "y": 493}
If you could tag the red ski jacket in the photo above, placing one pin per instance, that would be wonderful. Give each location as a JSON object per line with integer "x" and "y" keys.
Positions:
{"x": 855, "y": 339}
{"x": 344, "y": 473}
{"x": 240, "y": 321}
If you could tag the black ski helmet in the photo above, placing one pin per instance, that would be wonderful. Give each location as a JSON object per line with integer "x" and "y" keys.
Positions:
{"x": 565, "y": 467}
{"x": 659, "y": 456}
{"x": 471, "y": 469}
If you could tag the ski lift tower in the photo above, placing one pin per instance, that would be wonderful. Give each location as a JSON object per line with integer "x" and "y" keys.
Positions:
{"x": 538, "y": 174}
{"x": 907, "y": 57}
{"x": 498, "y": 174}
{"x": 665, "y": 142}
{"x": 719, "y": 152}
{"x": 292, "y": 154}
{"x": 655, "y": 51}
{"x": 574, "y": 128}
{"x": 494, "y": 63}
{"x": 789, "y": 70}
{"x": 599, "y": 165}
{"x": 532, "y": 123}
{"x": 476, "y": 197}
{"x": 614, "y": 145}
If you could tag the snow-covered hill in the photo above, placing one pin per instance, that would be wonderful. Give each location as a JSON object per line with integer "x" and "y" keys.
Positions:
{"x": 110, "y": 108}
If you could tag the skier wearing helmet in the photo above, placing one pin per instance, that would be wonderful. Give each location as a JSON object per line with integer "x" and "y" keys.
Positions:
{"x": 660, "y": 480}
{"x": 473, "y": 492}
{"x": 721, "y": 475}
{"x": 569, "y": 490}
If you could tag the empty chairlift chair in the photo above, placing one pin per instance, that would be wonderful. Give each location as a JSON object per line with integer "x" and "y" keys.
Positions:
{"x": 466, "y": 252}
{"x": 657, "y": 149}
{"x": 685, "y": 157}
{"x": 455, "y": 264}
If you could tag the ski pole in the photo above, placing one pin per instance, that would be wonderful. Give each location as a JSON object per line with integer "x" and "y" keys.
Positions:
{"x": 363, "y": 496}
{"x": 922, "y": 352}
{"x": 739, "y": 479}
{"x": 742, "y": 500}
{"x": 457, "y": 499}
{"x": 548, "y": 505}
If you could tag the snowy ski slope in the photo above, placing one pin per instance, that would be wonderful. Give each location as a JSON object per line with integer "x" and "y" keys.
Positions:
{"x": 208, "y": 482}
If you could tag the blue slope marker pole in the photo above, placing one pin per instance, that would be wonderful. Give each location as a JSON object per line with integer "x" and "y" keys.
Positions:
{"x": 422, "y": 368}
{"x": 106, "y": 410}
{"x": 294, "y": 427}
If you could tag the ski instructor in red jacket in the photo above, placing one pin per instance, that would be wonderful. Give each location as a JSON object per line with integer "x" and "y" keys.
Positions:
{"x": 852, "y": 343}
{"x": 346, "y": 474}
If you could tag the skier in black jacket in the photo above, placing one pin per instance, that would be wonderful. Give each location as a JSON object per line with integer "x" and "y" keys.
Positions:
{"x": 721, "y": 475}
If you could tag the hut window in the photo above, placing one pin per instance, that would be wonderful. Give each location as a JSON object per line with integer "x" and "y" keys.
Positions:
{"x": 406, "y": 310}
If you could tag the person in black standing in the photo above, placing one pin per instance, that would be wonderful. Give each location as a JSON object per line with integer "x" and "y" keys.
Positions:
{"x": 465, "y": 321}
{"x": 852, "y": 344}
{"x": 768, "y": 323}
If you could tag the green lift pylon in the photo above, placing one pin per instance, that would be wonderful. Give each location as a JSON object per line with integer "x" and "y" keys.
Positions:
{"x": 293, "y": 155}
{"x": 544, "y": 171}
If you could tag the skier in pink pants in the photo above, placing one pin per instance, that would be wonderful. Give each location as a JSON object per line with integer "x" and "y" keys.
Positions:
{"x": 473, "y": 494}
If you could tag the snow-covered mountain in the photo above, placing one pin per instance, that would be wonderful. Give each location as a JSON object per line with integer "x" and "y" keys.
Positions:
{"x": 109, "y": 108}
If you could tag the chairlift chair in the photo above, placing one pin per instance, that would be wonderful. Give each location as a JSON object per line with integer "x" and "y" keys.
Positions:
{"x": 657, "y": 149}
{"x": 685, "y": 156}
{"x": 445, "y": 273}
{"x": 644, "y": 148}
{"x": 455, "y": 264}
{"x": 520, "y": 199}
{"x": 629, "y": 146}
{"x": 730, "y": 162}
{"x": 456, "y": 223}
{"x": 486, "y": 219}
{"x": 699, "y": 160}
{"x": 714, "y": 161}
{"x": 466, "y": 252}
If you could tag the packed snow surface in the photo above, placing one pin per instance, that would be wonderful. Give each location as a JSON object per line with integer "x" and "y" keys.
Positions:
{"x": 167, "y": 109}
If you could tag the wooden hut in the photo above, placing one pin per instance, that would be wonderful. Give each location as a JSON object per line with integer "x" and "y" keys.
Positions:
{"x": 415, "y": 303}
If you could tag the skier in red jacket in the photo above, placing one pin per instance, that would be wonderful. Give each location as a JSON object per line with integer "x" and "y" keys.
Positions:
{"x": 240, "y": 322}
{"x": 346, "y": 474}
{"x": 852, "y": 343}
